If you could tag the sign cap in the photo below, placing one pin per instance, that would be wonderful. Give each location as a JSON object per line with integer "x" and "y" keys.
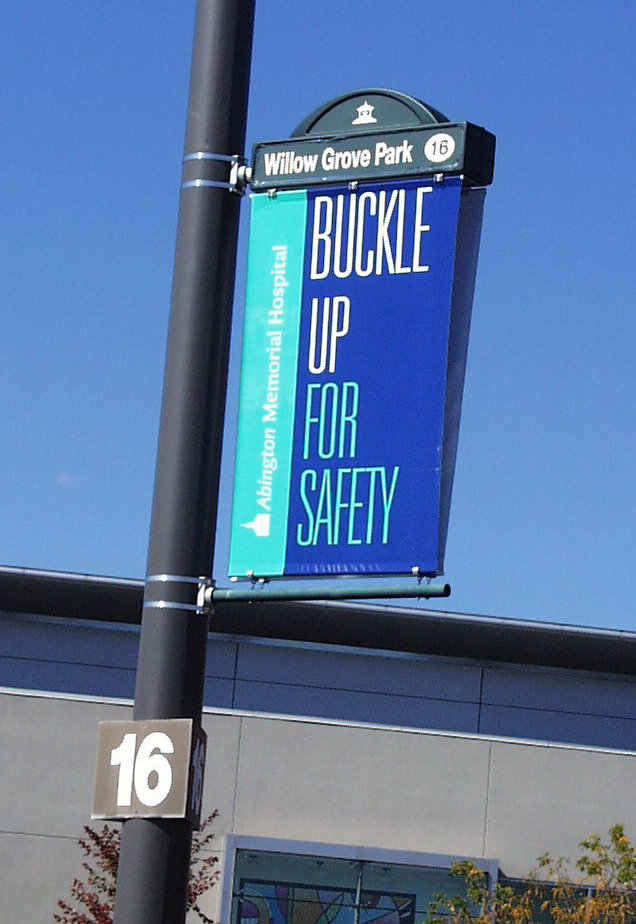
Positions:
{"x": 364, "y": 110}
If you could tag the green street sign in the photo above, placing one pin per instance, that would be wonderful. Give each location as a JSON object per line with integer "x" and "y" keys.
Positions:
{"x": 373, "y": 135}
{"x": 450, "y": 147}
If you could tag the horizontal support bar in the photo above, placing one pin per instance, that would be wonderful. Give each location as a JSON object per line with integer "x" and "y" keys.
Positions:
{"x": 266, "y": 593}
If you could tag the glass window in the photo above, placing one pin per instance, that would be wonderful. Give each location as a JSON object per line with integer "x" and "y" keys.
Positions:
{"x": 286, "y": 888}
{"x": 519, "y": 886}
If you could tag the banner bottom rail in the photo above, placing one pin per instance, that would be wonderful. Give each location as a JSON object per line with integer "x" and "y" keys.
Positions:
{"x": 266, "y": 593}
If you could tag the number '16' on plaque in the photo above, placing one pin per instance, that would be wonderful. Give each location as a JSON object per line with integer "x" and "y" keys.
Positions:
{"x": 150, "y": 769}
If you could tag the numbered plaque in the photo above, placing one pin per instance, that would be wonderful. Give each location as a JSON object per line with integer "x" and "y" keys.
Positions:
{"x": 151, "y": 769}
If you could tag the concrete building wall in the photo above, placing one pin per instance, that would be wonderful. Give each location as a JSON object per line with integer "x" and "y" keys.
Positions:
{"x": 314, "y": 780}
{"x": 293, "y": 678}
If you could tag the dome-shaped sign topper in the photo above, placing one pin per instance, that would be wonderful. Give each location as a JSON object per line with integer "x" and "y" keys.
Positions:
{"x": 364, "y": 235}
{"x": 402, "y": 137}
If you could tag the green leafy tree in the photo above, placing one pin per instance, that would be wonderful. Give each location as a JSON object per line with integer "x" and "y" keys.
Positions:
{"x": 93, "y": 901}
{"x": 603, "y": 892}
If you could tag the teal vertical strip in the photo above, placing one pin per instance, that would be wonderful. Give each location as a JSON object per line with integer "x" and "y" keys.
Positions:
{"x": 267, "y": 396}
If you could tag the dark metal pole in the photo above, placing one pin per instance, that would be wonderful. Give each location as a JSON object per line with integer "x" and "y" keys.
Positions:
{"x": 155, "y": 855}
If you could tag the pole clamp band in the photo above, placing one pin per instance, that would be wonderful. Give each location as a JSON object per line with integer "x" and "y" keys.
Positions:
{"x": 202, "y": 169}
{"x": 196, "y": 590}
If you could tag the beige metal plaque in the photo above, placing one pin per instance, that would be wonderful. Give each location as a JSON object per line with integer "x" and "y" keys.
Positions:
{"x": 151, "y": 769}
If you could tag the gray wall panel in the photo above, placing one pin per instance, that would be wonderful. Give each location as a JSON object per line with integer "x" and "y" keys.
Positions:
{"x": 543, "y": 688}
{"x": 47, "y": 780}
{"x": 568, "y": 727}
{"x": 374, "y": 787}
{"x": 545, "y": 798}
{"x": 415, "y": 676}
{"x": 427, "y": 692}
{"x": 65, "y": 677}
{"x": 36, "y": 873}
{"x": 98, "y": 660}
{"x": 223, "y": 733}
{"x": 30, "y": 637}
{"x": 313, "y": 781}
{"x": 218, "y": 692}
{"x": 356, "y": 706}
{"x": 220, "y": 658}
{"x": 47, "y": 783}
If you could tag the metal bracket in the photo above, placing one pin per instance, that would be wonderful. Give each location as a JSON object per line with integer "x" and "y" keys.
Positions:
{"x": 419, "y": 574}
{"x": 204, "y": 587}
{"x": 239, "y": 172}
{"x": 254, "y": 580}
{"x": 205, "y": 596}
{"x": 240, "y": 176}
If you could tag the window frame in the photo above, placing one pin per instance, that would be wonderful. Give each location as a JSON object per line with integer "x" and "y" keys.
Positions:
{"x": 236, "y": 842}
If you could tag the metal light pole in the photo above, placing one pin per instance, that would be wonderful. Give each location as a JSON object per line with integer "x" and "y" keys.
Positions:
{"x": 155, "y": 854}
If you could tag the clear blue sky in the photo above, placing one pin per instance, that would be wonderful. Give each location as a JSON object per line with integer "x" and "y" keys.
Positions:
{"x": 543, "y": 521}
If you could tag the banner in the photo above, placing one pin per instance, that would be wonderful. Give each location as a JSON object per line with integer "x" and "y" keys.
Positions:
{"x": 352, "y": 375}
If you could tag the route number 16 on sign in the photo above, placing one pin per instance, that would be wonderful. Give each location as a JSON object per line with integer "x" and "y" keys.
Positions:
{"x": 151, "y": 769}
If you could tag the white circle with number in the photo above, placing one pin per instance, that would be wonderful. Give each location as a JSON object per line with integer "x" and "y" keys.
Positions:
{"x": 439, "y": 148}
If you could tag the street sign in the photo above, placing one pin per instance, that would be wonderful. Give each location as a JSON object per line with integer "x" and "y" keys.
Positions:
{"x": 357, "y": 314}
{"x": 458, "y": 147}
{"x": 151, "y": 769}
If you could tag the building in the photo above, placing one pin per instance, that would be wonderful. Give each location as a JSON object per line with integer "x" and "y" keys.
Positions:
{"x": 354, "y": 750}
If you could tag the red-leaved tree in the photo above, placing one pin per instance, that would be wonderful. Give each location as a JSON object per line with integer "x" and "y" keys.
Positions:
{"x": 93, "y": 901}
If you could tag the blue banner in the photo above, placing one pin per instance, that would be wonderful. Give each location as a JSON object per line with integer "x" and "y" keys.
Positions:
{"x": 344, "y": 393}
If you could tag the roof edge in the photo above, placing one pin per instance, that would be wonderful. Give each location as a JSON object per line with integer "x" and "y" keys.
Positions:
{"x": 381, "y": 626}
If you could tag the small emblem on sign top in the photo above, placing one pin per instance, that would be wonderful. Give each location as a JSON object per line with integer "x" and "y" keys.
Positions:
{"x": 260, "y": 524}
{"x": 365, "y": 114}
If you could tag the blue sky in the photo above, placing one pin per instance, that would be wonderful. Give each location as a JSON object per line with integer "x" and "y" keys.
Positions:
{"x": 543, "y": 519}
